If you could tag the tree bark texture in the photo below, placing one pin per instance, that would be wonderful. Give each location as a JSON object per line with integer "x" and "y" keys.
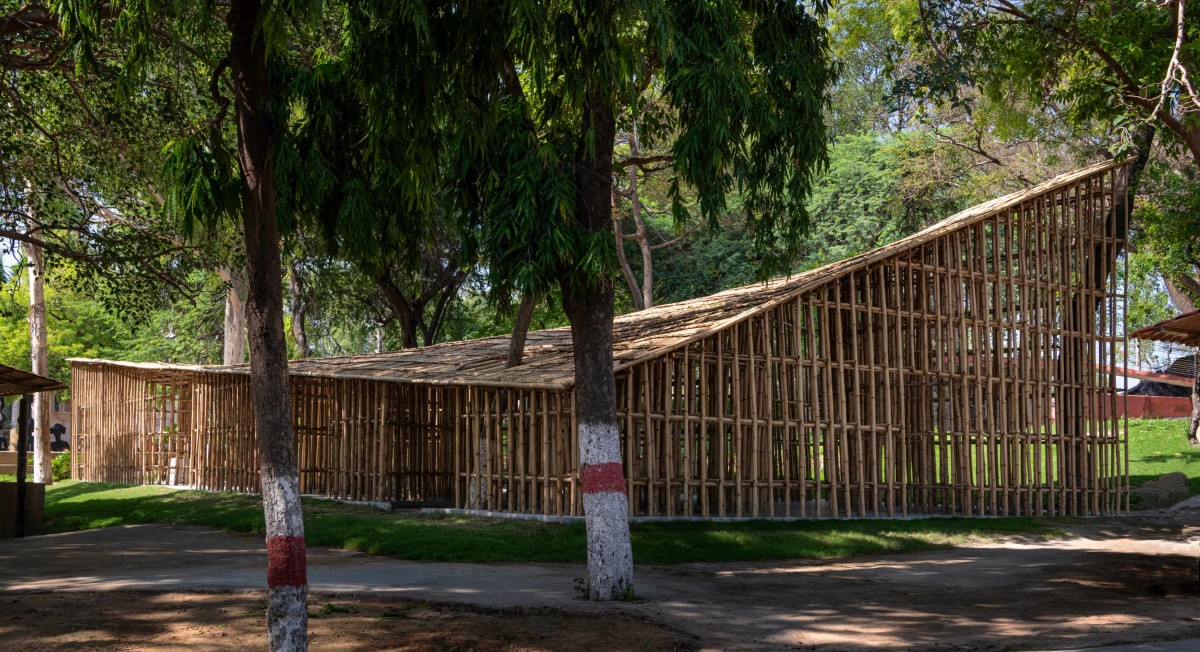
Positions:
{"x": 287, "y": 617}
{"x": 299, "y": 312}
{"x": 39, "y": 364}
{"x": 643, "y": 293}
{"x": 640, "y": 232}
{"x": 420, "y": 326}
{"x": 516, "y": 345}
{"x": 589, "y": 306}
{"x": 234, "y": 338}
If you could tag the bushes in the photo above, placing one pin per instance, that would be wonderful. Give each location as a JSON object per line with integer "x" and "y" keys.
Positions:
{"x": 60, "y": 467}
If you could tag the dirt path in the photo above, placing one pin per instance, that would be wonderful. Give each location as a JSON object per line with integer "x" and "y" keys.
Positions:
{"x": 234, "y": 620}
{"x": 1114, "y": 584}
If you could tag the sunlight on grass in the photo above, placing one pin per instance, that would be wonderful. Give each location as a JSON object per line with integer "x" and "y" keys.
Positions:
{"x": 1158, "y": 446}
{"x": 441, "y": 537}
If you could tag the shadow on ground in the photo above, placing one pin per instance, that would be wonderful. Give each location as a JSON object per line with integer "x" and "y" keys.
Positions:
{"x": 978, "y": 599}
{"x": 229, "y": 621}
{"x": 1109, "y": 581}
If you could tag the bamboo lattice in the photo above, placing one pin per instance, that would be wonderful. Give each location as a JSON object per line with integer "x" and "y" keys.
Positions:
{"x": 967, "y": 369}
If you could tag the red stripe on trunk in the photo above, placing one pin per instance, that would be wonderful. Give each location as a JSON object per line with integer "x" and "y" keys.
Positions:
{"x": 598, "y": 478}
{"x": 287, "y": 561}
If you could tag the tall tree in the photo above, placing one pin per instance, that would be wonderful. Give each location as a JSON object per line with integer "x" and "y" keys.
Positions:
{"x": 40, "y": 363}
{"x": 233, "y": 48}
{"x": 287, "y": 616}
{"x": 516, "y": 104}
{"x": 73, "y": 181}
{"x": 1117, "y": 62}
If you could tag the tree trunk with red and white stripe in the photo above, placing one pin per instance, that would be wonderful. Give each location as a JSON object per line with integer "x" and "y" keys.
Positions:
{"x": 605, "y": 507}
{"x": 589, "y": 305}
{"x": 287, "y": 596}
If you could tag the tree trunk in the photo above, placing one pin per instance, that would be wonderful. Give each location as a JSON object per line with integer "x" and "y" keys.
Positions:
{"x": 299, "y": 310}
{"x": 40, "y": 365}
{"x": 589, "y": 305}
{"x": 234, "y": 347}
{"x": 287, "y": 582}
{"x": 404, "y": 311}
{"x": 623, "y": 261}
{"x": 516, "y": 345}
{"x": 1194, "y": 425}
{"x": 640, "y": 232}
{"x": 1178, "y": 297}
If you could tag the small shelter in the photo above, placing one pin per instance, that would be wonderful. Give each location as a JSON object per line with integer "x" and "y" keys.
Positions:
{"x": 951, "y": 372}
{"x": 15, "y": 382}
{"x": 1183, "y": 329}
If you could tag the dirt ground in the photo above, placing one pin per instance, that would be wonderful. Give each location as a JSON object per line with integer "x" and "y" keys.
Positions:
{"x": 234, "y": 620}
{"x": 1105, "y": 582}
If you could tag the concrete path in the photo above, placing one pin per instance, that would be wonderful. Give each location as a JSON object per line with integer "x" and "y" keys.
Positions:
{"x": 1105, "y": 589}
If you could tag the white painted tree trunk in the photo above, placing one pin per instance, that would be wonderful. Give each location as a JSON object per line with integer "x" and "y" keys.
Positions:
{"x": 606, "y": 512}
{"x": 40, "y": 364}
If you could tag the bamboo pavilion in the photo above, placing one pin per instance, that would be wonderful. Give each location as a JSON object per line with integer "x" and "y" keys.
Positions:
{"x": 966, "y": 369}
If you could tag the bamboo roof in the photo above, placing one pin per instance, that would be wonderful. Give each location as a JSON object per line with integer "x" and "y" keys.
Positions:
{"x": 14, "y": 382}
{"x": 637, "y": 337}
{"x": 1184, "y": 329}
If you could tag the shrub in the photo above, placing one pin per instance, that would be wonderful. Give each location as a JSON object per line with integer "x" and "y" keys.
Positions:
{"x": 60, "y": 467}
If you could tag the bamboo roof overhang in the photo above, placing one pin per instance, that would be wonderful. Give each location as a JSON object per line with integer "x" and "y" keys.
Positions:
{"x": 1184, "y": 329}
{"x": 14, "y": 382}
{"x": 637, "y": 337}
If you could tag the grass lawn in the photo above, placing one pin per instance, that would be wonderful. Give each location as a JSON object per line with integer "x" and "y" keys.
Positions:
{"x": 75, "y": 505}
{"x": 1158, "y": 446}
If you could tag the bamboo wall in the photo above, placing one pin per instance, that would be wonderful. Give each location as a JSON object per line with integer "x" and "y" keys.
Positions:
{"x": 960, "y": 375}
{"x": 358, "y": 440}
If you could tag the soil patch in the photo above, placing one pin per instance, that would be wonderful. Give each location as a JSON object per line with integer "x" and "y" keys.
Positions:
{"x": 129, "y": 620}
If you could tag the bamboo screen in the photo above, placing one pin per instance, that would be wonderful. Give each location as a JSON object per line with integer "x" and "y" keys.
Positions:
{"x": 957, "y": 372}
{"x": 359, "y": 440}
{"x": 959, "y": 376}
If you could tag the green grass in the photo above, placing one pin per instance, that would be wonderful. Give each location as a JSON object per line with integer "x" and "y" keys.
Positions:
{"x": 1158, "y": 446}
{"x": 75, "y": 506}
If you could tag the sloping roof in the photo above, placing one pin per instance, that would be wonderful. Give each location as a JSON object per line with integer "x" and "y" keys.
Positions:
{"x": 14, "y": 382}
{"x": 638, "y": 336}
{"x": 1184, "y": 329}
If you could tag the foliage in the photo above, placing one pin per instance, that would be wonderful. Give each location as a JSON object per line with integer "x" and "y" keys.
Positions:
{"x": 1146, "y": 303}
{"x": 80, "y": 158}
{"x": 456, "y": 538}
{"x": 60, "y": 467}
{"x": 496, "y": 97}
{"x": 878, "y": 188}
{"x": 1168, "y": 221}
{"x": 186, "y": 330}
{"x": 78, "y": 327}
{"x": 859, "y": 203}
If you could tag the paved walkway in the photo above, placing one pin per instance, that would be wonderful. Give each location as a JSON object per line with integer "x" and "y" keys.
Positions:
{"x": 1106, "y": 589}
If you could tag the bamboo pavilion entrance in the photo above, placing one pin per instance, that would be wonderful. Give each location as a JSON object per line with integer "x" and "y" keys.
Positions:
{"x": 967, "y": 369}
